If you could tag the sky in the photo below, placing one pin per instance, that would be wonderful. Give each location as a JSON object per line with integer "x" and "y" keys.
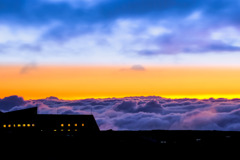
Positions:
{"x": 137, "y": 64}
{"x": 110, "y": 32}
{"x": 75, "y": 49}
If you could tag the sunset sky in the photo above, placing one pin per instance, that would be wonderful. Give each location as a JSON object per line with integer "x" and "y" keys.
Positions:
{"x": 77, "y": 49}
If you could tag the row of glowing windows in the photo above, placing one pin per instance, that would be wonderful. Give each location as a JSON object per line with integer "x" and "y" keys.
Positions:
{"x": 18, "y": 125}
{"x": 69, "y": 125}
{"x": 33, "y": 125}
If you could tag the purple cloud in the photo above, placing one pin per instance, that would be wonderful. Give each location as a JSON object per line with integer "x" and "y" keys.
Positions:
{"x": 143, "y": 113}
{"x": 126, "y": 106}
{"x": 8, "y": 103}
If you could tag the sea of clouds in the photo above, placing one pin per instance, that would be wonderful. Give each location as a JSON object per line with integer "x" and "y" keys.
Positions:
{"x": 141, "y": 113}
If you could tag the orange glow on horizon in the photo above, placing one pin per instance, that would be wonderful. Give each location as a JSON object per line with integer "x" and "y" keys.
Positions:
{"x": 80, "y": 82}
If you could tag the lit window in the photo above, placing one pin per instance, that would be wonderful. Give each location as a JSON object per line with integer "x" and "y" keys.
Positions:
{"x": 62, "y": 125}
{"x": 82, "y": 124}
{"x": 75, "y": 124}
{"x": 33, "y": 125}
{"x": 9, "y": 125}
{"x": 62, "y": 130}
{"x": 4, "y": 125}
{"x": 69, "y": 125}
{"x": 24, "y": 125}
{"x": 14, "y": 125}
{"x": 69, "y": 130}
{"x": 28, "y": 125}
{"x": 19, "y": 125}
{"x": 54, "y": 130}
{"x": 75, "y": 130}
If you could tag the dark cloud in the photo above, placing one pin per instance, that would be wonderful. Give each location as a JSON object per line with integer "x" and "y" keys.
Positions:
{"x": 52, "y": 98}
{"x": 45, "y": 11}
{"x": 197, "y": 42}
{"x": 133, "y": 107}
{"x": 8, "y": 103}
{"x": 75, "y": 104}
{"x": 151, "y": 107}
{"x": 30, "y": 13}
{"x": 27, "y": 12}
{"x": 80, "y": 20}
{"x": 214, "y": 47}
{"x": 223, "y": 47}
{"x": 227, "y": 108}
{"x": 139, "y": 8}
{"x": 126, "y": 106}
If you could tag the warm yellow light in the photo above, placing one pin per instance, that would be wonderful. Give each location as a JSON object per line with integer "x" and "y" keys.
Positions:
{"x": 69, "y": 130}
{"x": 62, "y": 125}
{"x": 69, "y": 125}
{"x": 33, "y": 125}
{"x": 54, "y": 130}
{"x": 75, "y": 124}
{"x": 82, "y": 124}
{"x": 19, "y": 125}
{"x": 74, "y": 82}
{"x": 9, "y": 125}
{"x": 28, "y": 125}
{"x": 75, "y": 130}
{"x": 24, "y": 125}
{"x": 14, "y": 125}
{"x": 4, "y": 126}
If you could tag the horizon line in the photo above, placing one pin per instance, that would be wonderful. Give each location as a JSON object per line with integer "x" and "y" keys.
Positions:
{"x": 200, "y": 97}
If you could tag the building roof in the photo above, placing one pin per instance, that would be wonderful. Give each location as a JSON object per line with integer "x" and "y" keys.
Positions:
{"x": 19, "y": 115}
{"x": 27, "y": 111}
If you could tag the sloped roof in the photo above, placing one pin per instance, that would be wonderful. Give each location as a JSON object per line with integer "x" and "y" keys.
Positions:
{"x": 27, "y": 111}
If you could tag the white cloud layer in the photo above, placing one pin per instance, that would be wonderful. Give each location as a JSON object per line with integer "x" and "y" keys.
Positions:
{"x": 142, "y": 113}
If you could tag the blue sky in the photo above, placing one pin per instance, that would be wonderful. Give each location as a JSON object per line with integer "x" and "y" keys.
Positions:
{"x": 107, "y": 32}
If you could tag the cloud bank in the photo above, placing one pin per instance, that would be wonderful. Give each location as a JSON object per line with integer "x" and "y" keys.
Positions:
{"x": 142, "y": 113}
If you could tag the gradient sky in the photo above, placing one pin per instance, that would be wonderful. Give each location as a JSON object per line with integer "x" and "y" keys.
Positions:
{"x": 116, "y": 48}
{"x": 79, "y": 82}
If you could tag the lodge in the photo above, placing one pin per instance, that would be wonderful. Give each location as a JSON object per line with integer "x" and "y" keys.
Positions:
{"x": 27, "y": 121}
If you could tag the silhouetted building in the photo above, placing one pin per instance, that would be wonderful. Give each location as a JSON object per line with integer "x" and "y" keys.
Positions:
{"x": 21, "y": 121}
{"x": 27, "y": 121}
{"x": 67, "y": 124}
